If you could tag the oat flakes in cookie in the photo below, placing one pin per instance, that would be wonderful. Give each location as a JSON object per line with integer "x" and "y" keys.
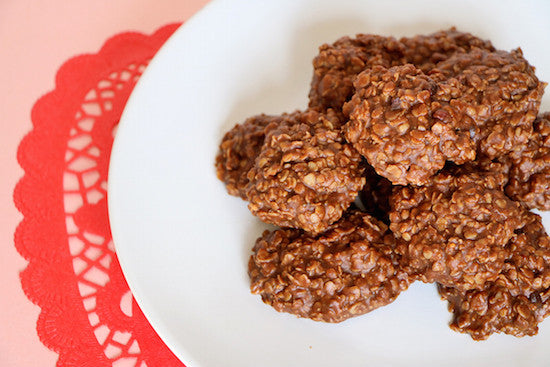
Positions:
{"x": 401, "y": 120}
{"x": 526, "y": 164}
{"x": 456, "y": 230}
{"x": 238, "y": 150}
{"x": 348, "y": 270}
{"x": 499, "y": 95}
{"x": 518, "y": 299}
{"x": 306, "y": 174}
{"x": 529, "y": 177}
{"x": 336, "y": 65}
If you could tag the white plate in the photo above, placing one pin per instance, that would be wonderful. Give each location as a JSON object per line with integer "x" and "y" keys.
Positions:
{"x": 183, "y": 243}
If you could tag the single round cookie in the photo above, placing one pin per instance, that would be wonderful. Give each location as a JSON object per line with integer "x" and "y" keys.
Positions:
{"x": 336, "y": 65}
{"x": 456, "y": 230}
{"x": 306, "y": 174}
{"x": 238, "y": 150}
{"x": 500, "y": 94}
{"x": 402, "y": 122}
{"x": 518, "y": 300}
{"x": 349, "y": 270}
{"x": 526, "y": 163}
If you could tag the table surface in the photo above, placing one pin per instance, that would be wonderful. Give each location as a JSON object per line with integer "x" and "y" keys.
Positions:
{"x": 36, "y": 37}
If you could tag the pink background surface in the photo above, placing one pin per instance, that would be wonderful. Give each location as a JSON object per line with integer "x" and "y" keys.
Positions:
{"x": 36, "y": 37}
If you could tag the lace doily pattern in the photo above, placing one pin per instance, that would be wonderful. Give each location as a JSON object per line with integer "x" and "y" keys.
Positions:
{"x": 88, "y": 315}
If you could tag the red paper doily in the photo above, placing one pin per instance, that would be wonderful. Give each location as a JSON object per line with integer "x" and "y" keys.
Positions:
{"x": 88, "y": 315}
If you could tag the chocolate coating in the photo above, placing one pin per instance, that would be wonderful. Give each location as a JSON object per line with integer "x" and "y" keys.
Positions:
{"x": 456, "y": 230}
{"x": 306, "y": 174}
{"x": 402, "y": 121}
{"x": 518, "y": 299}
{"x": 349, "y": 270}
{"x": 238, "y": 150}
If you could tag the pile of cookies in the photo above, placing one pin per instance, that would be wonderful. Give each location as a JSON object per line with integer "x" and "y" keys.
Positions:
{"x": 417, "y": 159}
